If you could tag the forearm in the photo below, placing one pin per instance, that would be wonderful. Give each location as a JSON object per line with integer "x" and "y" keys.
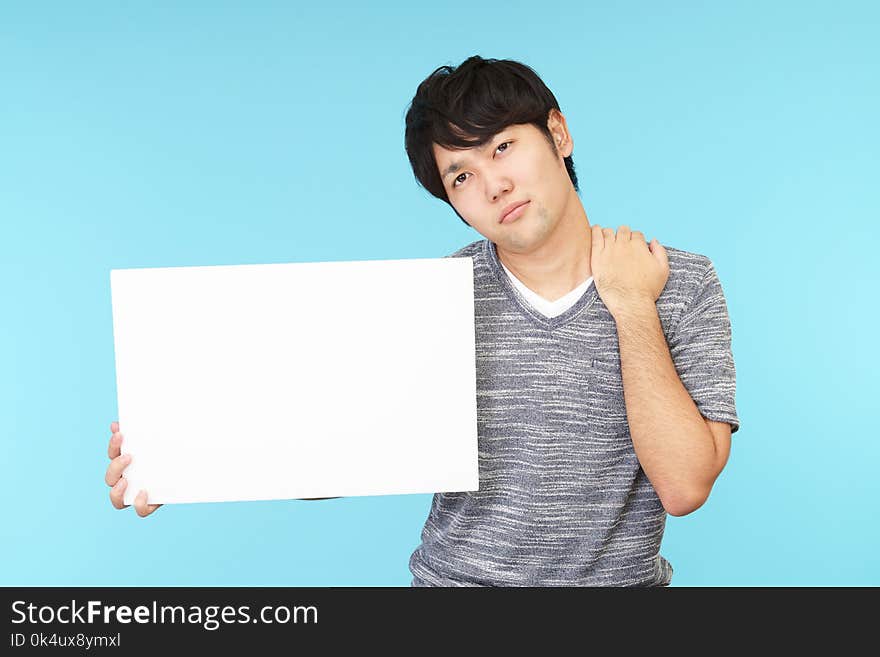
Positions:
{"x": 671, "y": 439}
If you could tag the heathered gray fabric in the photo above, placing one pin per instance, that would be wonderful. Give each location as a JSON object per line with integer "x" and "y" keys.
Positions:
{"x": 562, "y": 500}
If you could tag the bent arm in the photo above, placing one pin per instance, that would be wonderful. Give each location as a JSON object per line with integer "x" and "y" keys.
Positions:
{"x": 675, "y": 445}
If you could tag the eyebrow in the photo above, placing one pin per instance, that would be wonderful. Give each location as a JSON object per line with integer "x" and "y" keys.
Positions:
{"x": 455, "y": 166}
{"x": 452, "y": 168}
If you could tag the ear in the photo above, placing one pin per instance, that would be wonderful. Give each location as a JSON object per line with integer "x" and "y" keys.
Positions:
{"x": 559, "y": 130}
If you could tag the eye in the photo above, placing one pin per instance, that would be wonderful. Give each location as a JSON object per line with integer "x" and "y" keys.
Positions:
{"x": 464, "y": 174}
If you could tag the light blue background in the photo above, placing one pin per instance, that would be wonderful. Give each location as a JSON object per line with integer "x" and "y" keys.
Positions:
{"x": 176, "y": 134}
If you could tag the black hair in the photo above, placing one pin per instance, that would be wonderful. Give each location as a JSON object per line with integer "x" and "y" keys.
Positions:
{"x": 465, "y": 107}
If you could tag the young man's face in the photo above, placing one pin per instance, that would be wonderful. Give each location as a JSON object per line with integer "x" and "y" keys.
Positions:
{"x": 517, "y": 165}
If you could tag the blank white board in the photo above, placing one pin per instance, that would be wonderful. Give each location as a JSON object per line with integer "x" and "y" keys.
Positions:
{"x": 283, "y": 381}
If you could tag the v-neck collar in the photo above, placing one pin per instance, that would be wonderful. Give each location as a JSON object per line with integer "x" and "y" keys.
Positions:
{"x": 587, "y": 298}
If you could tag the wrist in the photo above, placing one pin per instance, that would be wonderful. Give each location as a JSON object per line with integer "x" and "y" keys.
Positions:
{"x": 635, "y": 310}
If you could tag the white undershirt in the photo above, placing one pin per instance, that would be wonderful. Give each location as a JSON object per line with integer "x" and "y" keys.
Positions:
{"x": 542, "y": 305}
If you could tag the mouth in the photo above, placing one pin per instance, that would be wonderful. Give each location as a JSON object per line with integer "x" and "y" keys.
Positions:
{"x": 514, "y": 212}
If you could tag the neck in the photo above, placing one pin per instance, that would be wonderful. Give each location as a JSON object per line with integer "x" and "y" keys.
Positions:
{"x": 562, "y": 261}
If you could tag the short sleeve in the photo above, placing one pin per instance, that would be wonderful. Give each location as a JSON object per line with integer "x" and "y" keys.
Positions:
{"x": 700, "y": 346}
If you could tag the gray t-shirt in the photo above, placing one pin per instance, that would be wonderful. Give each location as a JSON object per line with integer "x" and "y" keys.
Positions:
{"x": 562, "y": 499}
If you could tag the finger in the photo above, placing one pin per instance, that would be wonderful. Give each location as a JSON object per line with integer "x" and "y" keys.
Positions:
{"x": 115, "y": 446}
{"x": 117, "y": 494}
{"x": 114, "y": 427}
{"x": 660, "y": 251}
{"x": 115, "y": 469}
{"x": 598, "y": 240}
{"x": 140, "y": 505}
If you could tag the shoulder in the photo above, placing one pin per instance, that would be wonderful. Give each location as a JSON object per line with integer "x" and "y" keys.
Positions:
{"x": 687, "y": 277}
{"x": 686, "y": 269}
{"x": 467, "y": 251}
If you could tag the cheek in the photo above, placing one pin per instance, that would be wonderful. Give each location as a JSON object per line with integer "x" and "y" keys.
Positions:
{"x": 467, "y": 204}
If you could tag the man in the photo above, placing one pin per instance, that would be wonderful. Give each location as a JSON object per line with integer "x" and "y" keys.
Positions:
{"x": 605, "y": 379}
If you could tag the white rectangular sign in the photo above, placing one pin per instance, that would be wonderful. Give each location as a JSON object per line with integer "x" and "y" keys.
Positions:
{"x": 283, "y": 381}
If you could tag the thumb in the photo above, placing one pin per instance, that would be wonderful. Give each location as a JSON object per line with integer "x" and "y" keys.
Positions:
{"x": 659, "y": 252}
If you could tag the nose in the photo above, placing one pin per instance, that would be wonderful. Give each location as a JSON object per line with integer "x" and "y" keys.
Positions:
{"x": 496, "y": 187}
